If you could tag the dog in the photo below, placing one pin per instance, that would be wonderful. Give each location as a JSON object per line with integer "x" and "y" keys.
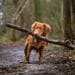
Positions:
{"x": 41, "y": 29}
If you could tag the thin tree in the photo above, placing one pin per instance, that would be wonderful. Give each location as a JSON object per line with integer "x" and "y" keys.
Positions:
{"x": 13, "y": 32}
{"x": 67, "y": 20}
{"x": 38, "y": 10}
{"x": 67, "y": 24}
{"x": 73, "y": 18}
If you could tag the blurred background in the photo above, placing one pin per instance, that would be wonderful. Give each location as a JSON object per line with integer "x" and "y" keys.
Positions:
{"x": 59, "y": 14}
{"x": 48, "y": 11}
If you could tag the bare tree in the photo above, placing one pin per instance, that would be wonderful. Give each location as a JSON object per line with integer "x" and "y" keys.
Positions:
{"x": 73, "y": 18}
{"x": 67, "y": 20}
{"x": 13, "y": 32}
{"x": 68, "y": 32}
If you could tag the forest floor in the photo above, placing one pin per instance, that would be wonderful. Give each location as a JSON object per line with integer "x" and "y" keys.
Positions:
{"x": 12, "y": 56}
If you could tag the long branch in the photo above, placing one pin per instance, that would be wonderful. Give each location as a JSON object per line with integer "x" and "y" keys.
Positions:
{"x": 58, "y": 42}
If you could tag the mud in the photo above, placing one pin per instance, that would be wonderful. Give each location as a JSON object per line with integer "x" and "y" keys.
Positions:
{"x": 11, "y": 63}
{"x": 10, "y": 55}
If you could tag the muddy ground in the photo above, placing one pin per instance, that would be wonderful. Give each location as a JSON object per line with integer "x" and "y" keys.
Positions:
{"x": 11, "y": 63}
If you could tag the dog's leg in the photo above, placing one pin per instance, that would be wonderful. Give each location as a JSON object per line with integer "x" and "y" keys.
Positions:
{"x": 27, "y": 49}
{"x": 25, "y": 52}
{"x": 28, "y": 53}
{"x": 40, "y": 54}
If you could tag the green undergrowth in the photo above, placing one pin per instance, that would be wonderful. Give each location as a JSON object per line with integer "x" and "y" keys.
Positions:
{"x": 6, "y": 39}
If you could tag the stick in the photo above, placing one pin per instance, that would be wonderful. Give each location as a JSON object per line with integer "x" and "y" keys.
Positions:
{"x": 57, "y": 42}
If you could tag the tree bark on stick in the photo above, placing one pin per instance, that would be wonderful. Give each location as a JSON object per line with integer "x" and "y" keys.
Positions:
{"x": 57, "y": 42}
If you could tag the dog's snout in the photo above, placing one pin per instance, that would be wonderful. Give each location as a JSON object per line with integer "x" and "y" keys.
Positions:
{"x": 37, "y": 32}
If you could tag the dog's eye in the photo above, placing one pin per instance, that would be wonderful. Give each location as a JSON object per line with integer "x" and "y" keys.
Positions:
{"x": 38, "y": 27}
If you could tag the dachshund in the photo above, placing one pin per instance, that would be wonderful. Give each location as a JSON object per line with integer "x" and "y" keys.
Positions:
{"x": 41, "y": 29}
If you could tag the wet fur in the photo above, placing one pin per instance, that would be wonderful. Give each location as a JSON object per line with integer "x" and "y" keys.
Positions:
{"x": 41, "y": 29}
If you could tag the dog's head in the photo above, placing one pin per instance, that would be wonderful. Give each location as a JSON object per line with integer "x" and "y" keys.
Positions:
{"x": 40, "y": 28}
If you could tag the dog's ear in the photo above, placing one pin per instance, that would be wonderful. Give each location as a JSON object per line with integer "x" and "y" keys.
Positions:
{"x": 33, "y": 26}
{"x": 48, "y": 28}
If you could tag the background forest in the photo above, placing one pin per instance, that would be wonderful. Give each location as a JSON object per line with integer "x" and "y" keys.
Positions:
{"x": 49, "y": 11}
{"x": 58, "y": 59}
{"x": 60, "y": 14}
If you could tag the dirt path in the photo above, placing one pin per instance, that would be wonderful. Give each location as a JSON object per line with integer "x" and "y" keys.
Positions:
{"x": 11, "y": 54}
{"x": 11, "y": 63}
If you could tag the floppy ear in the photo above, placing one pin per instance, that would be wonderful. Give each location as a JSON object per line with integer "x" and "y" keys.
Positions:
{"x": 33, "y": 26}
{"x": 47, "y": 28}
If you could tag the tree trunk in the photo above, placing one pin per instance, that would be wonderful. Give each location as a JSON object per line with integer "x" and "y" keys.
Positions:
{"x": 73, "y": 18}
{"x": 67, "y": 25}
{"x": 68, "y": 33}
{"x": 38, "y": 10}
{"x": 13, "y": 32}
{"x": 67, "y": 20}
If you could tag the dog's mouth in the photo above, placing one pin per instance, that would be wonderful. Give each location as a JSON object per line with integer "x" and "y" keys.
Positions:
{"x": 38, "y": 32}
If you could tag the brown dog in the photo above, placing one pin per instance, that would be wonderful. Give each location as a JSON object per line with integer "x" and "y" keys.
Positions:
{"x": 41, "y": 29}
